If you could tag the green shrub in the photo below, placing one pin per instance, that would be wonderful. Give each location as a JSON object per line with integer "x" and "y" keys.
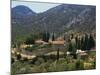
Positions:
{"x": 79, "y": 65}
{"x": 34, "y": 47}
{"x": 12, "y": 60}
{"x": 39, "y": 61}
{"x": 18, "y": 56}
{"x": 71, "y": 66}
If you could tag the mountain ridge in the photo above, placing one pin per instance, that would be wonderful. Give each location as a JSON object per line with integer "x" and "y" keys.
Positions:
{"x": 61, "y": 18}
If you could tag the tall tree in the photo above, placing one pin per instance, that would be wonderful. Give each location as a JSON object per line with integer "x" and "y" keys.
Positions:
{"x": 53, "y": 37}
{"x": 46, "y": 36}
{"x": 43, "y": 36}
{"x": 58, "y": 54}
{"x": 70, "y": 47}
{"x": 91, "y": 42}
{"x": 64, "y": 37}
{"x": 86, "y": 40}
{"x": 77, "y": 42}
{"x": 82, "y": 43}
{"x": 72, "y": 36}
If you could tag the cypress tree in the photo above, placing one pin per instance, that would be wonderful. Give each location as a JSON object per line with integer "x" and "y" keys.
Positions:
{"x": 86, "y": 42}
{"x": 82, "y": 43}
{"x": 53, "y": 37}
{"x": 79, "y": 44}
{"x": 46, "y": 37}
{"x": 72, "y": 36}
{"x": 76, "y": 40}
{"x": 58, "y": 54}
{"x": 64, "y": 37}
{"x": 91, "y": 42}
{"x": 70, "y": 47}
{"x": 43, "y": 36}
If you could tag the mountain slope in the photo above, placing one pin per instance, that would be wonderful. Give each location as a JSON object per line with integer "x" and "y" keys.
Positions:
{"x": 60, "y": 19}
{"x": 22, "y": 21}
{"x": 61, "y": 16}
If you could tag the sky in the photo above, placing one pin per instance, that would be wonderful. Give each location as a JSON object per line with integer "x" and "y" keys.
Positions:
{"x": 35, "y": 6}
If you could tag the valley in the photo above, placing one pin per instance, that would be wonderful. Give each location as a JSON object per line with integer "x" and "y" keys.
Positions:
{"x": 62, "y": 38}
